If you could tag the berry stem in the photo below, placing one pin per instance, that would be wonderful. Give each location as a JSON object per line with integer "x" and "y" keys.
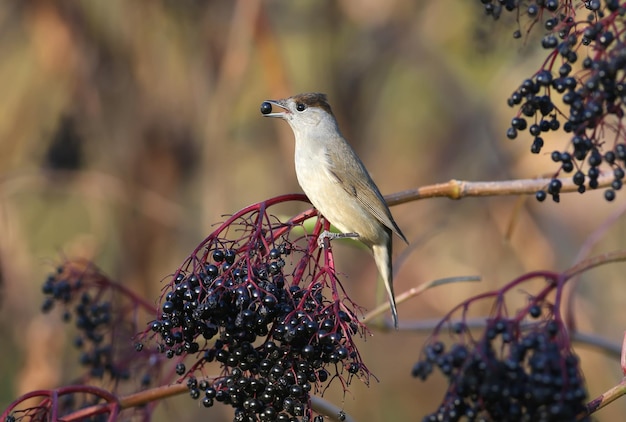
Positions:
{"x": 251, "y": 208}
{"x": 596, "y": 261}
{"x": 623, "y": 355}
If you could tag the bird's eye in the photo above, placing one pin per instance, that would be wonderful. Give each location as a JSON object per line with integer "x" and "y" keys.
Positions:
{"x": 300, "y": 107}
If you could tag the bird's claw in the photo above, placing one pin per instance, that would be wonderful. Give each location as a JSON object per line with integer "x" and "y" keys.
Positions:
{"x": 321, "y": 239}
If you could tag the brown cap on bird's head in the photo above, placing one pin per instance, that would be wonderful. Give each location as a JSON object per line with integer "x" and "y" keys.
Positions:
{"x": 314, "y": 99}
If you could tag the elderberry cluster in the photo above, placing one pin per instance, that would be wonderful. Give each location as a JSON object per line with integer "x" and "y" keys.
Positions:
{"x": 92, "y": 319}
{"x": 509, "y": 374}
{"x": 556, "y": 10}
{"x": 273, "y": 339}
{"x": 581, "y": 88}
{"x": 86, "y": 297}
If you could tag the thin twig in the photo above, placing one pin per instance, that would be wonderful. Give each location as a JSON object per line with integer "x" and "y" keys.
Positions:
{"x": 379, "y": 310}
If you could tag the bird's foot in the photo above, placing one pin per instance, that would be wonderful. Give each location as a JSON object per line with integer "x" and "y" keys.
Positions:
{"x": 321, "y": 240}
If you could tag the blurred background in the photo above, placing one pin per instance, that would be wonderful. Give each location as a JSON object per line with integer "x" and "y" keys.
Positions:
{"x": 128, "y": 128}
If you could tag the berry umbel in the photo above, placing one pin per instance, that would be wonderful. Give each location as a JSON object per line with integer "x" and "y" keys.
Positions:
{"x": 580, "y": 88}
{"x": 260, "y": 298}
{"x": 520, "y": 367}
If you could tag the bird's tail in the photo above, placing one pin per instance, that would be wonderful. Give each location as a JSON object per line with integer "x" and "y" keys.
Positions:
{"x": 382, "y": 257}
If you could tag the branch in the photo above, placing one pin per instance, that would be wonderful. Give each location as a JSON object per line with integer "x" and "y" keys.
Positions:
{"x": 133, "y": 400}
{"x": 457, "y": 189}
{"x": 326, "y": 408}
{"x": 606, "y": 398}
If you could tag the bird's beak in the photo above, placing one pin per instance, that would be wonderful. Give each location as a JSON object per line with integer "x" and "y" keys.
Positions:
{"x": 278, "y": 103}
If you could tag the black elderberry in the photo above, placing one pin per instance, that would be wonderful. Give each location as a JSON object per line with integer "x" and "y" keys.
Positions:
{"x": 266, "y": 108}
{"x": 552, "y": 5}
{"x": 549, "y": 42}
{"x": 528, "y": 87}
{"x": 212, "y": 271}
{"x": 536, "y": 145}
{"x": 565, "y": 69}
{"x": 519, "y": 123}
{"x": 544, "y": 78}
{"x": 570, "y": 83}
{"x": 47, "y": 305}
{"x": 620, "y": 151}
{"x": 606, "y": 39}
{"x": 534, "y": 130}
{"x": 511, "y": 133}
{"x": 210, "y": 392}
{"x": 609, "y": 157}
{"x": 229, "y": 256}
{"x": 545, "y": 105}
{"x": 572, "y": 56}
{"x": 559, "y": 85}
{"x": 551, "y": 23}
{"x": 595, "y": 159}
{"x": 192, "y": 382}
{"x": 609, "y": 194}
{"x": 515, "y": 99}
{"x": 569, "y": 97}
{"x": 554, "y": 187}
{"x": 578, "y": 178}
{"x": 534, "y": 311}
{"x": 540, "y": 195}
{"x": 218, "y": 255}
{"x": 221, "y": 396}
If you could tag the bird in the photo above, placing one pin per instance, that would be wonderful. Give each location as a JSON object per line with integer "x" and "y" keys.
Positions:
{"x": 336, "y": 181}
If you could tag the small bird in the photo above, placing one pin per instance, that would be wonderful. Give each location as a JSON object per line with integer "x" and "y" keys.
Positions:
{"x": 336, "y": 181}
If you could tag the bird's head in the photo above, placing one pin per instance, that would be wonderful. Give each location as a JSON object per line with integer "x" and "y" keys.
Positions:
{"x": 304, "y": 113}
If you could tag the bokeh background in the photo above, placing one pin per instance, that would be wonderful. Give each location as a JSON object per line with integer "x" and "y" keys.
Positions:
{"x": 128, "y": 128}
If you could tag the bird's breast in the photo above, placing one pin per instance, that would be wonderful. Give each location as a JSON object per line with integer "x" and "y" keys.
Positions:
{"x": 336, "y": 202}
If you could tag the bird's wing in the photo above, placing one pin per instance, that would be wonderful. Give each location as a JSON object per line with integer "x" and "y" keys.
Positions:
{"x": 350, "y": 173}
